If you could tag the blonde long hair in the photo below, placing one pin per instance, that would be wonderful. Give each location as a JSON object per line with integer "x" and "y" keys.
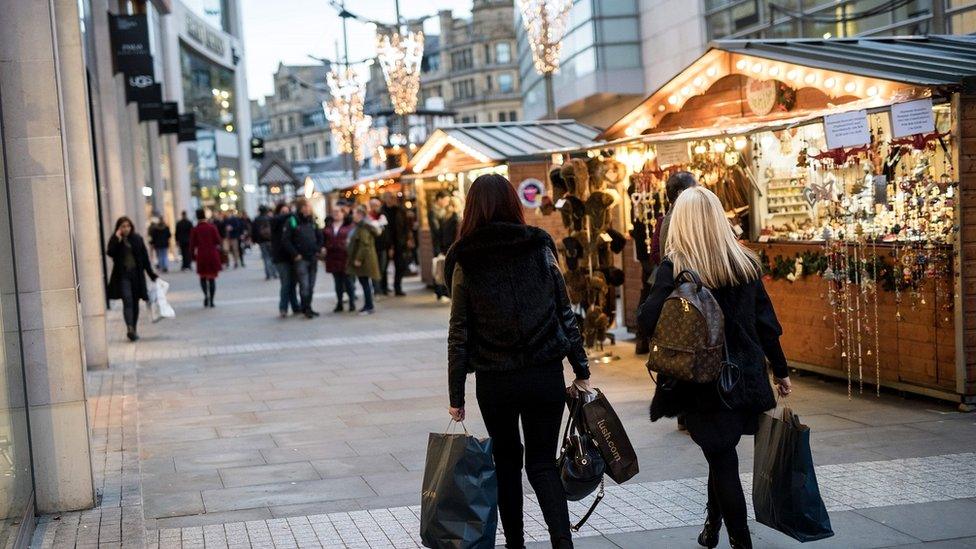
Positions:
{"x": 700, "y": 239}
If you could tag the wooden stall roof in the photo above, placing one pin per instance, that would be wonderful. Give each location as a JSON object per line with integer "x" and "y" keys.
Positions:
{"x": 840, "y": 69}
{"x": 465, "y": 145}
{"x": 276, "y": 171}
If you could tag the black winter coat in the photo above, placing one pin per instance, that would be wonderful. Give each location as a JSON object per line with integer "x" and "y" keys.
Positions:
{"x": 159, "y": 235}
{"x": 509, "y": 307}
{"x": 116, "y": 250}
{"x": 751, "y": 336}
{"x": 443, "y": 231}
{"x": 278, "y": 252}
{"x": 183, "y": 228}
{"x": 301, "y": 236}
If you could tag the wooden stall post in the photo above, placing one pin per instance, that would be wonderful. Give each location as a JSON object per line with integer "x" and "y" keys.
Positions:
{"x": 965, "y": 106}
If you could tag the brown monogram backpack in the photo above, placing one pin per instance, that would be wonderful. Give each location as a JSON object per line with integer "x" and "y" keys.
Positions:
{"x": 689, "y": 341}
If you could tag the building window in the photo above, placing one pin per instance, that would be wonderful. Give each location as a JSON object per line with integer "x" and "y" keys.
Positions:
{"x": 506, "y": 83}
{"x": 462, "y": 60}
{"x": 463, "y": 89}
{"x": 294, "y": 153}
{"x": 291, "y": 124}
{"x": 503, "y": 52}
{"x": 431, "y": 63}
{"x": 487, "y": 54}
{"x": 311, "y": 150}
{"x": 511, "y": 116}
{"x": 502, "y": 116}
{"x": 208, "y": 90}
{"x": 327, "y": 148}
{"x": 466, "y": 120}
{"x": 488, "y": 81}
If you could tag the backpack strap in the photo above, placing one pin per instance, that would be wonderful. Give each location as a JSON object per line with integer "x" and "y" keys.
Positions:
{"x": 690, "y": 276}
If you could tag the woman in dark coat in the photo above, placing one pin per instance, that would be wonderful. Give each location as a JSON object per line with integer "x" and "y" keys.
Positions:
{"x": 205, "y": 245}
{"x": 512, "y": 324}
{"x": 130, "y": 265}
{"x": 337, "y": 229}
{"x": 700, "y": 239}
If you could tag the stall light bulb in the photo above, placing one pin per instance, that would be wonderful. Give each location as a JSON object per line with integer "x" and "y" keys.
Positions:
{"x": 700, "y": 149}
{"x": 773, "y": 71}
{"x": 215, "y": 91}
{"x": 872, "y": 91}
{"x": 661, "y": 107}
{"x": 830, "y": 82}
{"x": 631, "y": 131}
{"x": 686, "y": 91}
{"x": 742, "y": 64}
{"x": 850, "y": 87}
{"x": 699, "y": 81}
{"x": 720, "y": 146}
{"x": 757, "y": 68}
{"x": 793, "y": 74}
{"x": 811, "y": 79}
{"x": 739, "y": 143}
{"x": 673, "y": 100}
{"x": 711, "y": 72}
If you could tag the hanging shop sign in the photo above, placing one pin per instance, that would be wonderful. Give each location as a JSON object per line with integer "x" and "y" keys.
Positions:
{"x": 671, "y": 153}
{"x": 151, "y": 107}
{"x": 530, "y": 192}
{"x": 847, "y": 129}
{"x": 169, "y": 117}
{"x": 142, "y": 88}
{"x": 130, "y": 43}
{"x": 187, "y": 128}
{"x": 912, "y": 118}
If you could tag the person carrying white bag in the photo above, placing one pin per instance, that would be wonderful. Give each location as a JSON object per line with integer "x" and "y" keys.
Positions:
{"x": 159, "y": 306}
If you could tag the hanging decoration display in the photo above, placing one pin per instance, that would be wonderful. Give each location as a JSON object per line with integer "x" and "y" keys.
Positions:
{"x": 399, "y": 56}
{"x": 545, "y": 23}
{"x": 344, "y": 110}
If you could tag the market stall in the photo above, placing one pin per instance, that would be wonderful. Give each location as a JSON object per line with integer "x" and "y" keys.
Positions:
{"x": 454, "y": 156}
{"x": 850, "y": 166}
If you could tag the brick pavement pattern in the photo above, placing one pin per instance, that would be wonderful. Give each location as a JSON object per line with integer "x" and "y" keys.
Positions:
{"x": 233, "y": 428}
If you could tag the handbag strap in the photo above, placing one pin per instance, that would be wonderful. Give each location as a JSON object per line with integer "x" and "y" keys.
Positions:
{"x": 582, "y": 521}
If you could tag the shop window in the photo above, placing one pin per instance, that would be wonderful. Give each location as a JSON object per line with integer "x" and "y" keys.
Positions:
{"x": 719, "y": 24}
{"x": 619, "y": 30}
{"x": 621, "y": 57}
{"x": 503, "y": 52}
{"x": 208, "y": 90}
{"x": 617, "y": 7}
{"x": 745, "y": 15}
{"x": 506, "y": 83}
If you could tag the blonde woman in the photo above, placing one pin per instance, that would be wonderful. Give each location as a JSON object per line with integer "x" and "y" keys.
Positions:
{"x": 701, "y": 240}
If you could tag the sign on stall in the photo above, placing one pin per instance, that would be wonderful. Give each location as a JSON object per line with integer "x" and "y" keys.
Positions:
{"x": 671, "y": 152}
{"x": 912, "y": 118}
{"x": 847, "y": 129}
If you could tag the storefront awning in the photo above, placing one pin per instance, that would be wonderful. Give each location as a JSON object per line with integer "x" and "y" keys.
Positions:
{"x": 501, "y": 142}
{"x": 276, "y": 171}
{"x": 817, "y": 72}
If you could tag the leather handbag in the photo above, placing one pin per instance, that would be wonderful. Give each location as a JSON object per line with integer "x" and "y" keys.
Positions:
{"x": 581, "y": 466}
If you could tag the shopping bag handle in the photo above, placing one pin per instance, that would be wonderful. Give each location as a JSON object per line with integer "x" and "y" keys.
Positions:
{"x": 451, "y": 425}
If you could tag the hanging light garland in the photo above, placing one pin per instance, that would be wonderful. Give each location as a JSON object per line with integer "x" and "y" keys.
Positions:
{"x": 345, "y": 110}
{"x": 400, "y": 57}
{"x": 545, "y": 22}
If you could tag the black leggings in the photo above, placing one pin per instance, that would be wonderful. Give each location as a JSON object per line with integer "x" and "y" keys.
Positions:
{"x": 130, "y": 301}
{"x": 718, "y": 433}
{"x": 537, "y": 396}
{"x": 209, "y": 286}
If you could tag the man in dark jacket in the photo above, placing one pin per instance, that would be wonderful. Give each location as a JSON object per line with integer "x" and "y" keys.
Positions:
{"x": 444, "y": 223}
{"x": 303, "y": 241}
{"x": 287, "y": 294}
{"x": 261, "y": 235}
{"x": 398, "y": 234}
{"x": 159, "y": 236}
{"x": 183, "y": 228}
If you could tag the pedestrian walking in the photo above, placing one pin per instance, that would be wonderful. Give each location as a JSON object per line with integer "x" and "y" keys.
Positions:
{"x": 244, "y": 237}
{"x": 512, "y": 324}
{"x": 205, "y": 244}
{"x": 399, "y": 235}
{"x": 284, "y": 263}
{"x": 444, "y": 222}
{"x": 338, "y": 227}
{"x": 302, "y": 241}
{"x": 383, "y": 245}
{"x": 233, "y": 229}
{"x": 261, "y": 236}
{"x": 159, "y": 236}
{"x": 700, "y": 239}
{"x": 362, "y": 263}
{"x": 183, "y": 228}
{"x": 130, "y": 266}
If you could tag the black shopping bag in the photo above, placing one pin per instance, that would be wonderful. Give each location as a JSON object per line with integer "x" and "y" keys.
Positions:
{"x": 459, "y": 498}
{"x": 784, "y": 485}
{"x": 606, "y": 430}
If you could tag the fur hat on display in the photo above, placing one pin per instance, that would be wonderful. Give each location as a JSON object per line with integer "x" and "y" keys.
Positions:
{"x": 547, "y": 207}
{"x": 617, "y": 241}
{"x": 596, "y": 169}
{"x": 598, "y": 210}
{"x": 558, "y": 184}
{"x": 595, "y": 326}
{"x": 613, "y": 275}
{"x": 573, "y": 251}
{"x": 575, "y": 175}
{"x": 573, "y": 211}
{"x": 615, "y": 171}
{"x": 597, "y": 289}
{"x": 576, "y": 285}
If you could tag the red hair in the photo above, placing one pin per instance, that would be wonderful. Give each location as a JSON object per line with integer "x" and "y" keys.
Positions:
{"x": 491, "y": 199}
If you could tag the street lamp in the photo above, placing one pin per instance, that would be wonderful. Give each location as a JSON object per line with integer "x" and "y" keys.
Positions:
{"x": 545, "y": 23}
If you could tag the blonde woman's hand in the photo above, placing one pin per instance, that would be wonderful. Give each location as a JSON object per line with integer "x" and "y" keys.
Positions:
{"x": 457, "y": 414}
{"x": 784, "y": 386}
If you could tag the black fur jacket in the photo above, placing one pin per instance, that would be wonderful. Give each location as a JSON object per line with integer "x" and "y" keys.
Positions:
{"x": 509, "y": 307}
{"x": 751, "y": 336}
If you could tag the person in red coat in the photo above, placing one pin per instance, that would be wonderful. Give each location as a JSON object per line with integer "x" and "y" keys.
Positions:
{"x": 205, "y": 246}
{"x": 337, "y": 229}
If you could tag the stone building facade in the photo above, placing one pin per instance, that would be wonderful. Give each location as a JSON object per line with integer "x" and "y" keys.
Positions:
{"x": 292, "y": 121}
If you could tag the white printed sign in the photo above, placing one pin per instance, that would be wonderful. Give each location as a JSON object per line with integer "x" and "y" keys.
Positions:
{"x": 847, "y": 129}
{"x": 671, "y": 153}
{"x": 912, "y": 118}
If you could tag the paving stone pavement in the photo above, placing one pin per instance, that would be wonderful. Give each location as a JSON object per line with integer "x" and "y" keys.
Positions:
{"x": 233, "y": 428}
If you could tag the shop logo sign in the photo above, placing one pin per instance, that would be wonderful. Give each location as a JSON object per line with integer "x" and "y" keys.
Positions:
{"x": 141, "y": 81}
{"x": 530, "y": 192}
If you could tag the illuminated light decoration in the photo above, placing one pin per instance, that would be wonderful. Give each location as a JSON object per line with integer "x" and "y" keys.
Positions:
{"x": 631, "y": 131}
{"x": 225, "y": 94}
{"x": 215, "y": 91}
{"x": 793, "y": 74}
{"x": 545, "y": 23}
{"x": 827, "y": 35}
{"x": 362, "y": 187}
{"x": 830, "y": 82}
{"x": 742, "y": 64}
{"x": 699, "y": 81}
{"x": 720, "y": 146}
{"x": 229, "y": 127}
{"x": 757, "y": 68}
{"x": 400, "y": 56}
{"x": 436, "y": 144}
{"x": 711, "y": 72}
{"x": 739, "y": 142}
{"x": 810, "y": 79}
{"x": 773, "y": 71}
{"x": 686, "y": 91}
{"x": 700, "y": 148}
{"x": 225, "y": 104}
{"x": 673, "y": 99}
{"x": 147, "y": 191}
{"x": 345, "y": 110}
{"x": 850, "y": 87}
{"x": 872, "y": 91}
{"x": 661, "y": 107}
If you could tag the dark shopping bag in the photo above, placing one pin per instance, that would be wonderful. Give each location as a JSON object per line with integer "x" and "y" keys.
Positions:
{"x": 608, "y": 433}
{"x": 459, "y": 497}
{"x": 784, "y": 485}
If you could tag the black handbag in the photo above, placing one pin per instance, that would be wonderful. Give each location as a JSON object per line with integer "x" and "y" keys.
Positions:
{"x": 581, "y": 466}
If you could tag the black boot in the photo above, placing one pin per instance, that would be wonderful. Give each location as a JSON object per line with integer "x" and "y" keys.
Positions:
{"x": 211, "y": 289}
{"x": 338, "y": 308}
{"x": 131, "y": 333}
{"x": 741, "y": 539}
{"x": 710, "y": 531}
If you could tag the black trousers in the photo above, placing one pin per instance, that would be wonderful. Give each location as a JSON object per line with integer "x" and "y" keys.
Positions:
{"x": 185, "y": 258}
{"x": 536, "y": 397}
{"x": 718, "y": 433}
{"x": 400, "y": 262}
{"x": 130, "y": 302}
